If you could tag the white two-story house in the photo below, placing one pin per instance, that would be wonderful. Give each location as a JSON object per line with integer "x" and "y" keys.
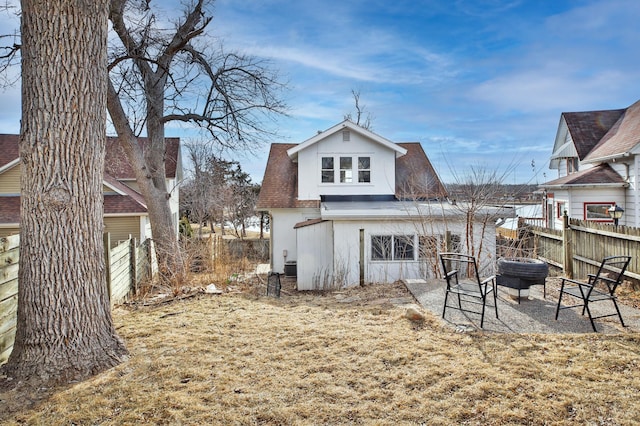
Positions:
{"x": 597, "y": 158}
{"x": 349, "y": 207}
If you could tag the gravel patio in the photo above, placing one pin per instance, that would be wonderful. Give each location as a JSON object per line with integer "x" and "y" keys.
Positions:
{"x": 534, "y": 314}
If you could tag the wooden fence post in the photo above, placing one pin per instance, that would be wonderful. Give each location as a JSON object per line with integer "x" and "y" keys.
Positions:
{"x": 133, "y": 256}
{"x": 567, "y": 258}
{"x": 106, "y": 240}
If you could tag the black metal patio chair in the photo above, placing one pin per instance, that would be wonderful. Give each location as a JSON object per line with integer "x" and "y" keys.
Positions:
{"x": 600, "y": 287}
{"x": 464, "y": 283}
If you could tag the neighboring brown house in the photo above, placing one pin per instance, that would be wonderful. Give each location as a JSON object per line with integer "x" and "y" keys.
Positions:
{"x": 125, "y": 211}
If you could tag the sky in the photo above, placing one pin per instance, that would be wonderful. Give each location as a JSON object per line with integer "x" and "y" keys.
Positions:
{"x": 480, "y": 84}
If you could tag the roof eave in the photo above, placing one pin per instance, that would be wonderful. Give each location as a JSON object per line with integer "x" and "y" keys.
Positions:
{"x": 606, "y": 159}
{"x": 293, "y": 152}
{"x": 9, "y": 165}
{"x": 586, "y": 185}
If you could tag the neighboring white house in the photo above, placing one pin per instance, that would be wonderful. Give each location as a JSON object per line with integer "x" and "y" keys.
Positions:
{"x": 596, "y": 155}
{"x": 349, "y": 206}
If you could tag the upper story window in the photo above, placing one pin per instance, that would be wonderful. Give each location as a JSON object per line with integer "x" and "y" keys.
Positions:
{"x": 346, "y": 170}
{"x": 572, "y": 165}
{"x": 327, "y": 170}
{"x": 364, "y": 169}
{"x": 348, "y": 167}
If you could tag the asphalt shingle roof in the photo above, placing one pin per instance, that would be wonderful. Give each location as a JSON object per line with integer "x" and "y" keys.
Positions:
{"x": 117, "y": 168}
{"x": 588, "y": 127}
{"x": 602, "y": 174}
{"x": 621, "y": 137}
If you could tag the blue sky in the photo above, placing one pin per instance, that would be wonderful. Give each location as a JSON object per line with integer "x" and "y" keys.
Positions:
{"x": 480, "y": 83}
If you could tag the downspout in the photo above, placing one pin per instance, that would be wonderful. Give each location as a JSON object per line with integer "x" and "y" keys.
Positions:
{"x": 636, "y": 196}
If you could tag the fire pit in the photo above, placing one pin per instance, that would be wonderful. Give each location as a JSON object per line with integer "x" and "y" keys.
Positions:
{"x": 520, "y": 273}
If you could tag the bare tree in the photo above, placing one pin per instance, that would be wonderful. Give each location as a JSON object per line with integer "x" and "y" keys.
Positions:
{"x": 195, "y": 200}
{"x": 160, "y": 75}
{"x": 218, "y": 190}
{"x": 64, "y": 326}
{"x": 360, "y": 119}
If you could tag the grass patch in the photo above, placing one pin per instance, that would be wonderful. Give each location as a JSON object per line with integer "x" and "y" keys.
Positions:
{"x": 346, "y": 357}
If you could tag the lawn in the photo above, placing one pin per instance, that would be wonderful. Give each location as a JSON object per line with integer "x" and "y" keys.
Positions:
{"x": 347, "y": 357}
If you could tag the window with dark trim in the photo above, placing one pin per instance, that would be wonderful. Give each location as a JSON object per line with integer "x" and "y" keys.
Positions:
{"x": 560, "y": 206}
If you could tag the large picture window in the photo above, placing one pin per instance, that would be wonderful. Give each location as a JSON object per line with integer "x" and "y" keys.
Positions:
{"x": 597, "y": 211}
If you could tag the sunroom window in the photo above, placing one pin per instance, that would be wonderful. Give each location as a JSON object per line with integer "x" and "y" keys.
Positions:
{"x": 392, "y": 247}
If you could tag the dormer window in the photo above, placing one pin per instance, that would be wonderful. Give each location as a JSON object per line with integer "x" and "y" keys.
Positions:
{"x": 327, "y": 170}
{"x": 346, "y": 170}
{"x": 364, "y": 169}
{"x": 350, "y": 168}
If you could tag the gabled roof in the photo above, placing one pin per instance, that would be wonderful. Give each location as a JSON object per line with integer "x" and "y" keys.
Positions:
{"x": 415, "y": 178}
{"x": 602, "y": 175}
{"x": 587, "y": 128}
{"x": 579, "y": 132}
{"x": 621, "y": 138}
{"x": 345, "y": 125}
{"x": 125, "y": 201}
{"x": 9, "y": 147}
{"x": 123, "y": 190}
{"x": 114, "y": 205}
{"x": 116, "y": 163}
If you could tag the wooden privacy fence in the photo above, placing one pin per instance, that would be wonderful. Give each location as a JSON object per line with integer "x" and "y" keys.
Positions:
{"x": 579, "y": 248}
{"x": 128, "y": 264}
{"x": 8, "y": 293}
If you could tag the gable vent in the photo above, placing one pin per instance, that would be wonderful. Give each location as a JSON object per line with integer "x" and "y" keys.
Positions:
{"x": 346, "y": 136}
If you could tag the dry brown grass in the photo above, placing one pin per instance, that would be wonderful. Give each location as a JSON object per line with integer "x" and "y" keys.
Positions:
{"x": 348, "y": 357}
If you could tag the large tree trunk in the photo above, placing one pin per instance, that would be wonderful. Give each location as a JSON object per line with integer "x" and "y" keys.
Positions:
{"x": 64, "y": 330}
{"x": 149, "y": 167}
